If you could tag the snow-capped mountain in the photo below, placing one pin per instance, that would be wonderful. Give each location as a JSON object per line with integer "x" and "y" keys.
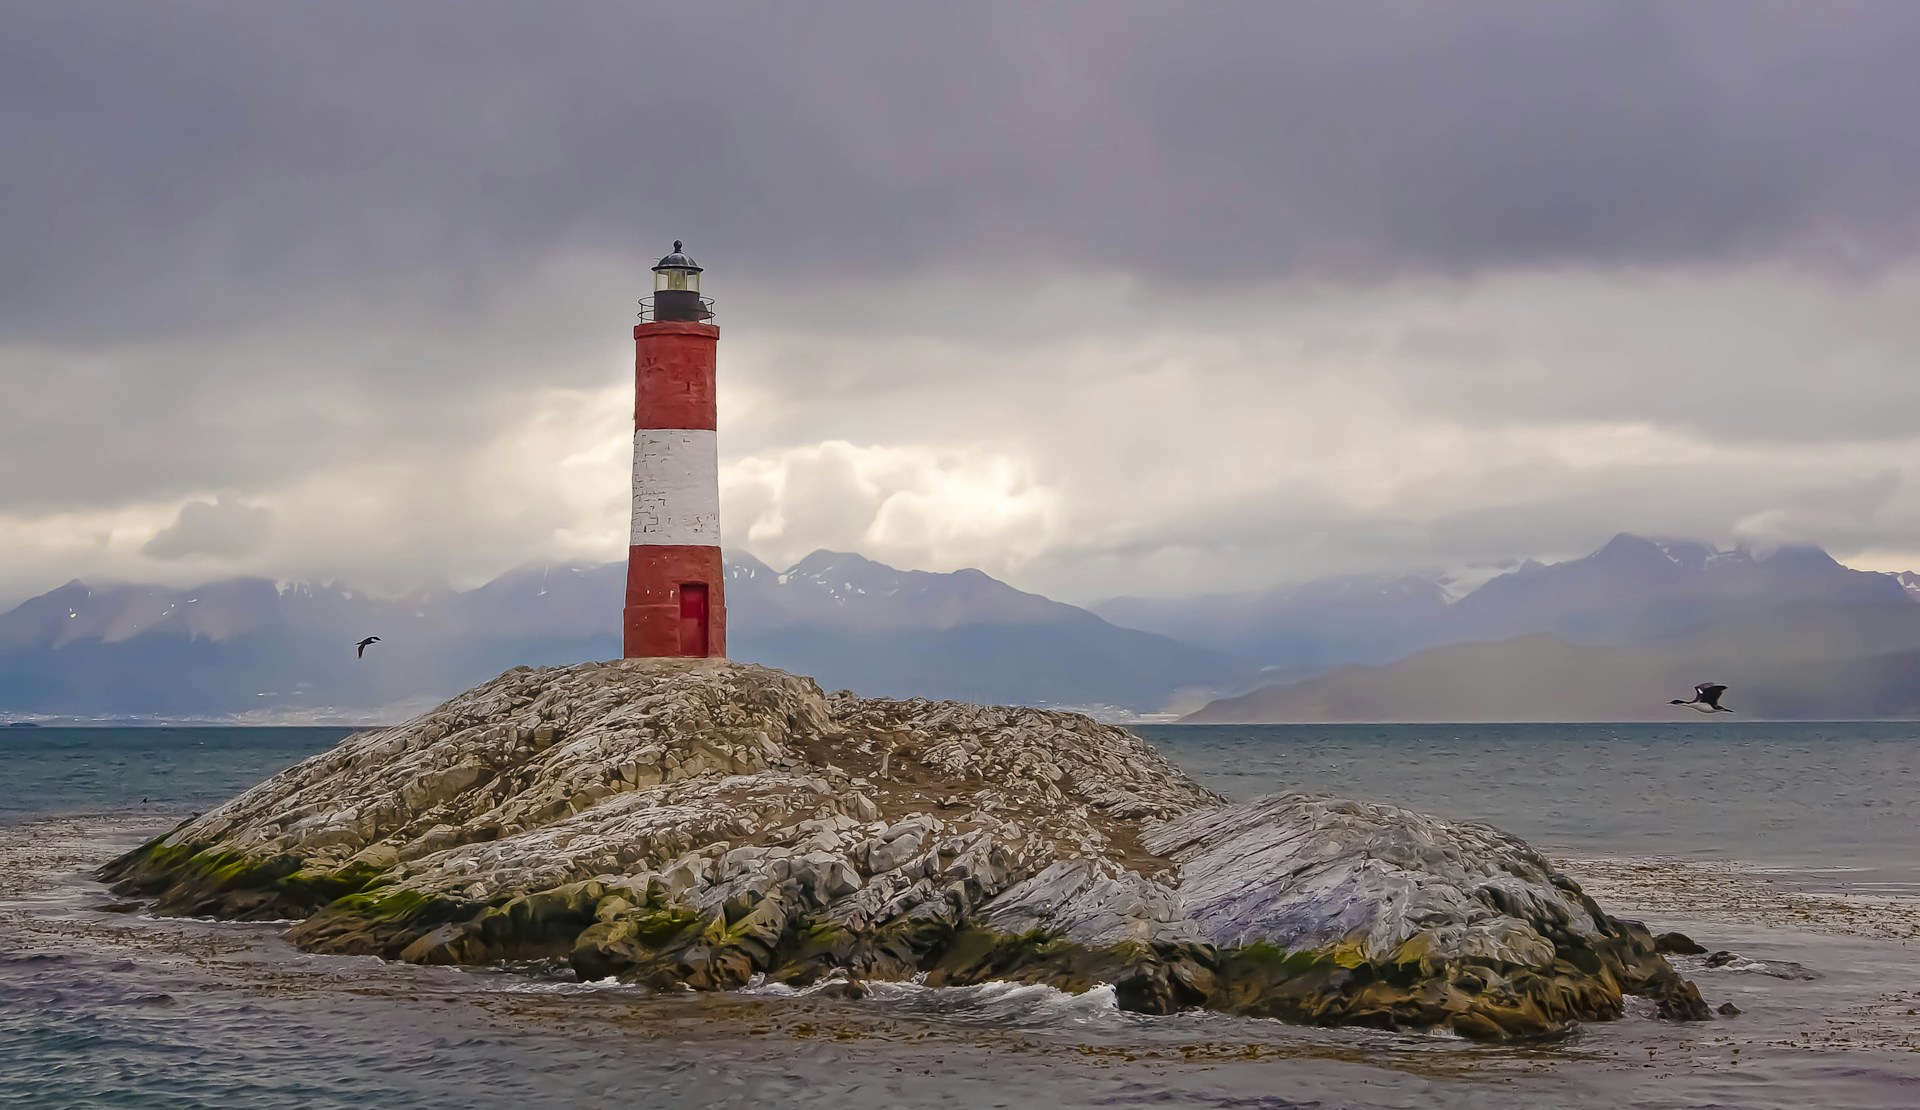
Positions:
{"x": 1630, "y": 590}
{"x": 249, "y": 645}
{"x": 1610, "y": 637}
{"x": 1910, "y": 582}
{"x": 855, "y": 592}
{"x": 1635, "y": 588}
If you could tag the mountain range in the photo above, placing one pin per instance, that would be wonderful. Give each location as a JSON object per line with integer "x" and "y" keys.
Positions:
{"x": 256, "y": 649}
{"x": 1611, "y": 636}
{"x": 1615, "y": 636}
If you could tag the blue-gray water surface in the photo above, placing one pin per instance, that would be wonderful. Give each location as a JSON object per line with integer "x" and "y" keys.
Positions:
{"x": 1794, "y": 846}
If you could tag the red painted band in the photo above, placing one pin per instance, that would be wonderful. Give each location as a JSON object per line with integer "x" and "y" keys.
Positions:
{"x": 673, "y": 375}
{"x": 655, "y": 624}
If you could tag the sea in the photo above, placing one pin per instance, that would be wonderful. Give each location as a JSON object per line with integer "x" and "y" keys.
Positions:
{"x": 1791, "y": 846}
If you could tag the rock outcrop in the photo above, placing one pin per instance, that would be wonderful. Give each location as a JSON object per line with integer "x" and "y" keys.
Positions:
{"x": 696, "y": 824}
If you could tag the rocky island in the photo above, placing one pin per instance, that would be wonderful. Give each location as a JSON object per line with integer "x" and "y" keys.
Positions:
{"x": 698, "y": 824}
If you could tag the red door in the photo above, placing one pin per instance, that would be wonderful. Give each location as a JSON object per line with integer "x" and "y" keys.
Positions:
{"x": 693, "y": 619}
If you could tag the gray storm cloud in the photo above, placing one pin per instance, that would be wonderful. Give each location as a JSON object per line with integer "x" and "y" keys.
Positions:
{"x": 220, "y": 529}
{"x": 1113, "y": 297}
{"x": 259, "y": 150}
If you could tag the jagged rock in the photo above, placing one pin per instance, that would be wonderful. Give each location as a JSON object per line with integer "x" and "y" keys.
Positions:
{"x": 1677, "y": 944}
{"x": 1383, "y": 916}
{"x": 696, "y": 823}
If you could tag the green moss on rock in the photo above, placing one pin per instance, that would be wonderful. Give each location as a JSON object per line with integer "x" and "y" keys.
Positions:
{"x": 381, "y": 921}
{"x": 192, "y": 880}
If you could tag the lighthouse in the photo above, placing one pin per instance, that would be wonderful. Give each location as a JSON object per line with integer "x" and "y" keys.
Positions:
{"x": 676, "y": 604}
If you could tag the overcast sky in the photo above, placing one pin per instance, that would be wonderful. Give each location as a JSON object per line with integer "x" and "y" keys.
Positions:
{"x": 1101, "y": 298}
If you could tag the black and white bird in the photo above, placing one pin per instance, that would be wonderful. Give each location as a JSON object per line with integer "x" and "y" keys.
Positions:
{"x": 1706, "y": 698}
{"x": 360, "y": 649}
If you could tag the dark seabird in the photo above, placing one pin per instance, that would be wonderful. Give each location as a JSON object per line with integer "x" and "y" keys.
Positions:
{"x": 1706, "y": 698}
{"x": 360, "y": 649}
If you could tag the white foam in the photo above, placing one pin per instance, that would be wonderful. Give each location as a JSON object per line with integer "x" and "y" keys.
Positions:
{"x": 1001, "y": 1003}
{"x": 516, "y": 983}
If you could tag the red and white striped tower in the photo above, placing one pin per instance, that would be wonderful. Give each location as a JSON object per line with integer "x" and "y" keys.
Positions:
{"x": 676, "y": 604}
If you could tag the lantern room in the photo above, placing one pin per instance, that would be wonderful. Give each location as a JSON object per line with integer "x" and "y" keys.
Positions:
{"x": 676, "y": 289}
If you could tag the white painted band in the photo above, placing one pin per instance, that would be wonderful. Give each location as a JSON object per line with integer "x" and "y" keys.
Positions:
{"x": 676, "y": 487}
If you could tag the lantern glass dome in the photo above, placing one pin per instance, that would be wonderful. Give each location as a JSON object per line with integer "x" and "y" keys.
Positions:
{"x": 676, "y": 273}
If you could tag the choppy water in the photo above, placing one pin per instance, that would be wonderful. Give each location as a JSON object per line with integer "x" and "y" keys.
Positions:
{"x": 1794, "y": 845}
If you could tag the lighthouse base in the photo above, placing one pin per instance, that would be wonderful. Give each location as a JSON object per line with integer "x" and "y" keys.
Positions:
{"x": 676, "y": 603}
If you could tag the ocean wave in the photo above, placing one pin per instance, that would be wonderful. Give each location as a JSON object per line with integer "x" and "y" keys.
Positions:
{"x": 1001, "y": 1003}
{"x": 997, "y": 1002}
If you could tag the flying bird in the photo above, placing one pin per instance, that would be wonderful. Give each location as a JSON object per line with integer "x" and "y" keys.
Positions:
{"x": 360, "y": 649}
{"x": 1706, "y": 698}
